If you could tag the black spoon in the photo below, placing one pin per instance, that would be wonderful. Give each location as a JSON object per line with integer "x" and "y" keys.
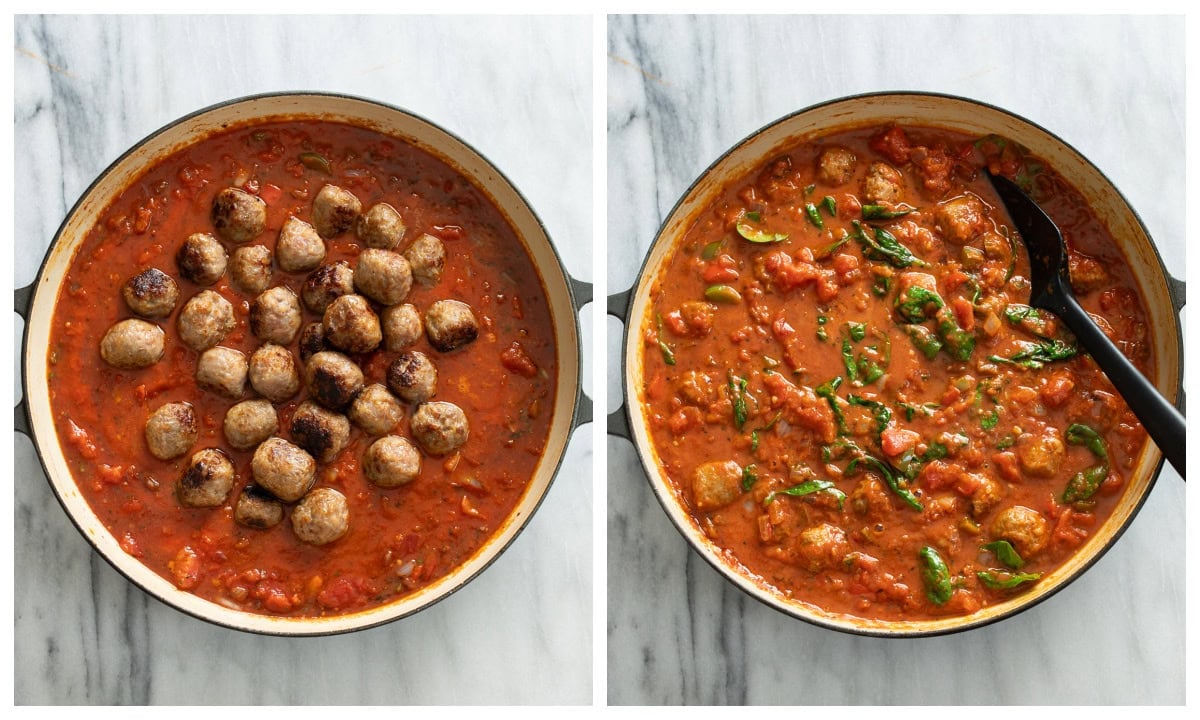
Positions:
{"x": 1051, "y": 290}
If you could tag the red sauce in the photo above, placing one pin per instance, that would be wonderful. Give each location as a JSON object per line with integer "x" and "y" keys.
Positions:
{"x": 835, "y": 386}
{"x": 399, "y": 540}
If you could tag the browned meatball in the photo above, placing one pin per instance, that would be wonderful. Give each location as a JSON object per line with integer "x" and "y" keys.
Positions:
{"x": 715, "y": 484}
{"x": 283, "y": 469}
{"x": 207, "y": 479}
{"x": 250, "y": 422}
{"x": 319, "y": 431}
{"x": 883, "y": 183}
{"x": 427, "y": 256}
{"x": 351, "y": 325}
{"x": 335, "y": 211}
{"x": 439, "y": 427}
{"x": 238, "y": 216}
{"x": 383, "y": 275}
{"x": 250, "y": 268}
{"x": 132, "y": 344}
{"x": 202, "y": 259}
{"x": 1025, "y": 528}
{"x": 299, "y": 247}
{"x": 321, "y": 517}
{"x": 1041, "y": 453}
{"x": 257, "y": 509}
{"x": 401, "y": 326}
{"x": 381, "y": 227}
{"x": 836, "y": 166}
{"x": 151, "y": 293}
{"x": 171, "y": 430}
{"x": 222, "y": 371}
{"x": 327, "y": 283}
{"x": 275, "y": 316}
{"x": 961, "y": 219}
{"x": 375, "y": 410}
{"x": 312, "y": 340}
{"x": 205, "y": 320}
{"x": 450, "y": 324}
{"x": 821, "y": 547}
{"x": 391, "y": 461}
{"x": 333, "y": 379}
{"x": 273, "y": 373}
{"x": 413, "y": 376}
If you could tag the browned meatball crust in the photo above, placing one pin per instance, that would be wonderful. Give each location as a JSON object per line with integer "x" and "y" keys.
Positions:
{"x": 205, "y": 320}
{"x": 283, "y": 469}
{"x": 171, "y": 430}
{"x": 274, "y": 373}
{"x": 202, "y": 259}
{"x": 351, "y": 325}
{"x": 439, "y": 427}
{"x": 250, "y": 268}
{"x": 238, "y": 216}
{"x": 333, "y": 380}
{"x": 413, "y": 376}
{"x": 312, "y": 341}
{"x": 381, "y": 227}
{"x": 207, "y": 479}
{"x": 326, "y": 284}
{"x": 427, "y": 256}
{"x": 450, "y": 324}
{"x": 151, "y": 293}
{"x": 275, "y": 316}
{"x": 257, "y": 509}
{"x": 335, "y": 210}
{"x": 133, "y": 344}
{"x": 319, "y": 431}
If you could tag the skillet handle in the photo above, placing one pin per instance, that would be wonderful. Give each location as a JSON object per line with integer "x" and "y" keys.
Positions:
{"x": 1178, "y": 292}
{"x": 618, "y": 420}
{"x": 22, "y": 300}
{"x": 581, "y": 294}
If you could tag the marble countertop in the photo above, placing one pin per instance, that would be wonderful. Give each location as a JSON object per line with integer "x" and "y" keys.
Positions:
{"x": 86, "y": 88}
{"x": 681, "y": 90}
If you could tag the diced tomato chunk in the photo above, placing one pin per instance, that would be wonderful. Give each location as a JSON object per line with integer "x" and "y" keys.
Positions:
{"x": 893, "y": 144}
{"x": 896, "y": 441}
{"x": 516, "y": 360}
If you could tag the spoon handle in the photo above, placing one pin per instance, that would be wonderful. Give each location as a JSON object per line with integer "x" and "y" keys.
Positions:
{"x": 1165, "y": 424}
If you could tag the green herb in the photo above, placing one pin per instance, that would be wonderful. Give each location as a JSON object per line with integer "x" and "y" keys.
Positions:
{"x": 1028, "y": 318}
{"x": 712, "y": 249}
{"x": 989, "y": 421}
{"x": 830, "y": 205}
{"x": 885, "y": 246}
{"x": 809, "y": 487}
{"x": 1005, "y": 581}
{"x": 1035, "y": 355}
{"x": 754, "y": 216}
{"x": 883, "y": 415}
{"x": 809, "y": 189}
{"x": 754, "y": 433}
{"x": 749, "y": 477}
{"x": 737, "y": 395}
{"x": 889, "y": 476}
{"x": 928, "y": 409}
{"x": 857, "y": 330}
{"x": 1085, "y": 483}
{"x": 958, "y": 343}
{"x": 1006, "y": 442}
{"x": 828, "y": 390}
{"x": 881, "y": 212}
{"x": 936, "y": 576}
{"x": 915, "y": 304}
{"x": 848, "y": 361}
{"x": 668, "y": 355}
{"x": 1005, "y": 553}
{"x": 882, "y": 285}
{"x": 755, "y": 235}
{"x": 814, "y": 216}
{"x": 821, "y": 334}
{"x": 910, "y": 463}
{"x": 831, "y": 248}
{"x": 925, "y": 340}
{"x": 316, "y": 161}
{"x": 723, "y": 294}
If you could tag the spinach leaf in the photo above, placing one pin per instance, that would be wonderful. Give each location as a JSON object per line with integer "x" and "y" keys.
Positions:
{"x": 749, "y": 477}
{"x": 814, "y": 216}
{"x": 880, "y": 212}
{"x": 885, "y": 246}
{"x": 912, "y": 304}
{"x": 957, "y": 342}
{"x": 828, "y": 390}
{"x": 1005, "y": 581}
{"x": 1035, "y": 355}
{"x": 808, "y": 487}
{"x": 830, "y": 205}
{"x": 667, "y": 353}
{"x": 755, "y": 235}
{"x": 936, "y": 576}
{"x": 883, "y": 415}
{"x": 1005, "y": 553}
{"x": 889, "y": 476}
{"x": 737, "y": 395}
{"x": 1085, "y": 483}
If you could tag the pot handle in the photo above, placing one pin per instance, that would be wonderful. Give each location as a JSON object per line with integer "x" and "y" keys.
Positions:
{"x": 22, "y": 299}
{"x": 618, "y": 420}
{"x": 1177, "y": 289}
{"x": 581, "y": 294}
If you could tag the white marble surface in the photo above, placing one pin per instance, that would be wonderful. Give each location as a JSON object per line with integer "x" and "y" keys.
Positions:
{"x": 519, "y": 89}
{"x": 681, "y": 90}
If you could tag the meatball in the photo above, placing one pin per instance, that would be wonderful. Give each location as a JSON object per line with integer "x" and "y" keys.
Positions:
{"x": 381, "y": 227}
{"x": 312, "y": 340}
{"x": 333, "y": 380}
{"x": 222, "y": 371}
{"x": 391, "y": 461}
{"x": 205, "y": 320}
{"x": 427, "y": 256}
{"x": 283, "y": 469}
{"x": 401, "y": 326}
{"x": 132, "y": 344}
{"x": 836, "y": 166}
{"x": 821, "y": 547}
{"x": 1041, "y": 454}
{"x": 275, "y": 316}
{"x": 960, "y": 220}
{"x": 334, "y": 211}
{"x": 412, "y": 376}
{"x": 351, "y": 325}
{"x": 987, "y": 494}
{"x": 273, "y": 373}
{"x": 439, "y": 427}
{"x": 383, "y": 276}
{"x": 450, "y": 324}
{"x": 250, "y": 422}
{"x": 321, "y": 432}
{"x": 151, "y": 293}
{"x": 257, "y": 509}
{"x": 250, "y": 268}
{"x": 326, "y": 284}
{"x": 883, "y": 183}
{"x": 202, "y": 259}
{"x": 1087, "y": 273}
{"x": 321, "y": 517}
{"x": 238, "y": 216}
{"x": 207, "y": 480}
{"x": 716, "y": 484}
{"x": 375, "y": 410}
{"x": 171, "y": 430}
{"x": 1024, "y": 527}
{"x": 299, "y": 248}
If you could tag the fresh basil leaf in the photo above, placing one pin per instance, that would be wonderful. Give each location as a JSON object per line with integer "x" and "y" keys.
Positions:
{"x": 936, "y": 576}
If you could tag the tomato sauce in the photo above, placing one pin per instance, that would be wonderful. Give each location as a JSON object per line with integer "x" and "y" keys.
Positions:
{"x": 846, "y": 392}
{"x": 399, "y": 540}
